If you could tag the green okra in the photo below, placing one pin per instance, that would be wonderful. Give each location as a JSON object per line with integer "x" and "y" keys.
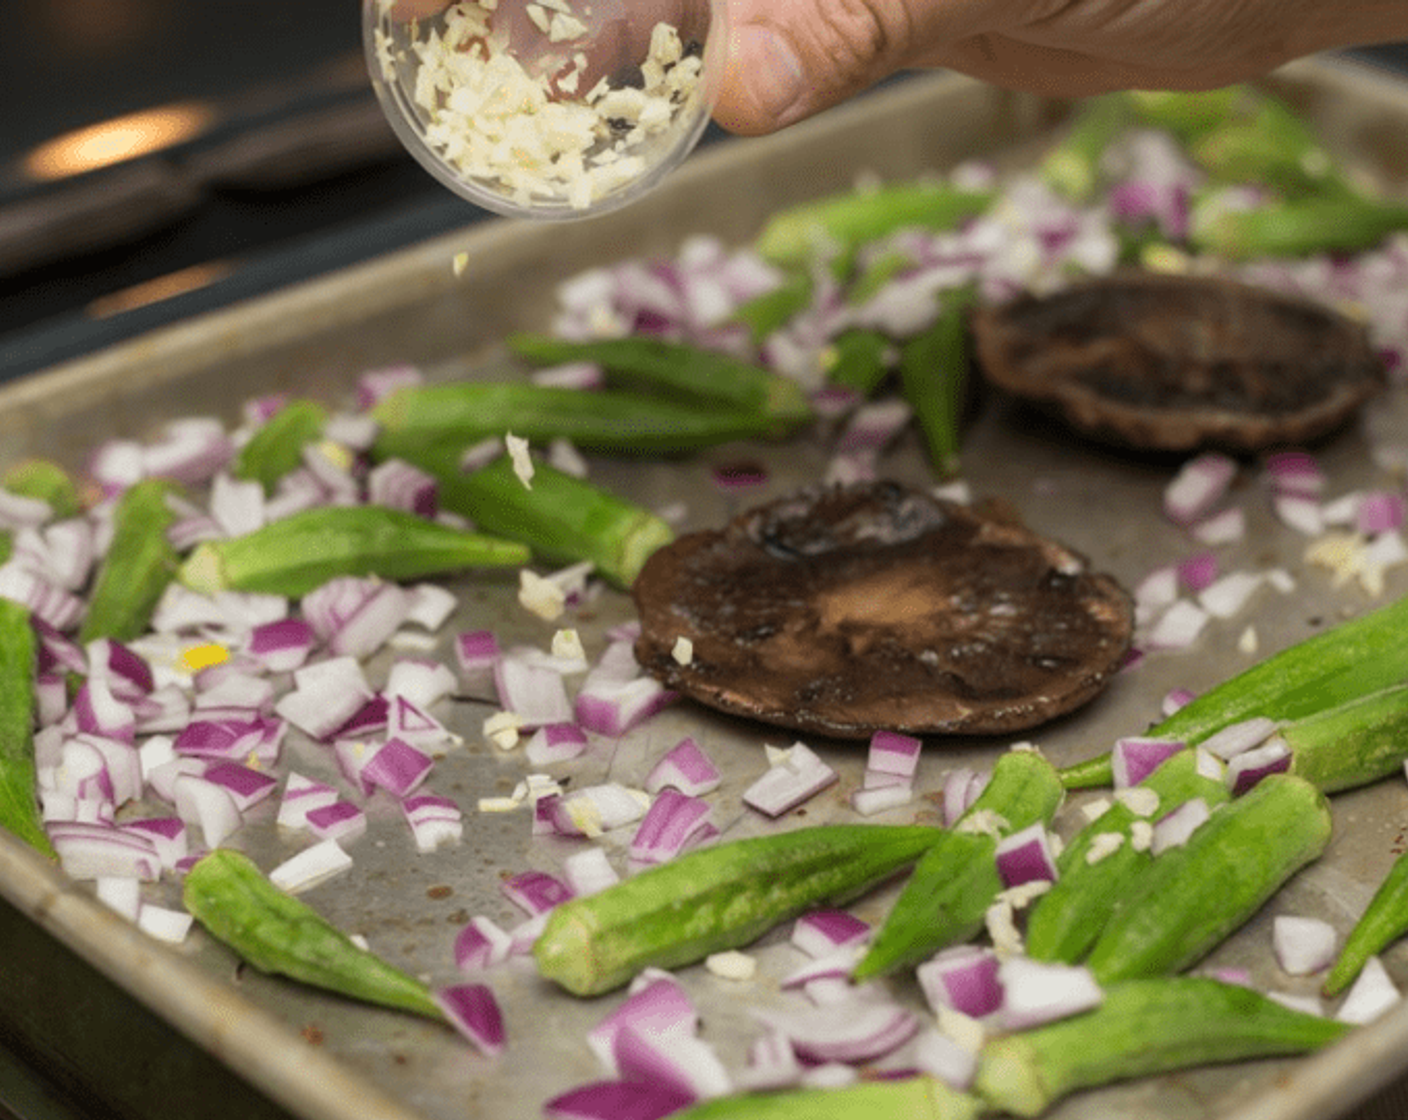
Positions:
{"x": 1141, "y": 1028}
{"x": 610, "y": 421}
{"x": 717, "y": 898}
{"x": 47, "y": 481}
{"x": 776, "y": 308}
{"x": 1351, "y": 744}
{"x": 688, "y": 373}
{"x": 561, "y": 519}
{"x": 1191, "y": 115}
{"x": 1298, "y": 227}
{"x": 948, "y": 894}
{"x": 137, "y": 567}
{"x": 1072, "y": 168}
{"x": 295, "y": 554}
{"x": 1271, "y": 146}
{"x": 1065, "y": 921}
{"x": 1352, "y": 660}
{"x": 907, "y": 1098}
{"x": 279, "y": 934}
{"x": 934, "y": 377}
{"x": 276, "y": 447}
{"x": 834, "y": 227}
{"x": 19, "y": 808}
{"x": 876, "y": 274}
{"x": 1383, "y": 922}
{"x": 1191, "y": 897}
{"x": 859, "y": 360}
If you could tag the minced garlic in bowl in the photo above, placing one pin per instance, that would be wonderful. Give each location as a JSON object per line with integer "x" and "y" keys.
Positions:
{"x": 545, "y": 108}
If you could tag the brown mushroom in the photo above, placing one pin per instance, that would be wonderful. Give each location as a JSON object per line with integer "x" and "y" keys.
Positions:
{"x": 844, "y": 610}
{"x": 1174, "y": 363}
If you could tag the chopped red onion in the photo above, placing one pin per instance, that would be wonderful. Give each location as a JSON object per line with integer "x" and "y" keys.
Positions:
{"x": 1173, "y": 829}
{"x": 658, "y": 1006}
{"x": 738, "y": 477}
{"x": 1240, "y": 736}
{"x": 398, "y": 484}
{"x": 1302, "y": 945}
{"x": 893, "y": 753}
{"x": 1198, "y": 572}
{"x": 822, "y": 932}
{"x": 430, "y": 606}
{"x": 480, "y": 945}
{"x": 593, "y": 810}
{"x": 1244, "y": 770}
{"x": 681, "y": 1061}
{"x": 1226, "y": 526}
{"x": 588, "y": 871}
{"x": 352, "y": 756}
{"x": 233, "y": 739}
{"x": 473, "y": 1011}
{"x": 311, "y": 866}
{"x": 302, "y": 794}
{"x": 1036, "y": 992}
{"x": 191, "y": 450}
{"x": 281, "y": 646}
{"x": 555, "y": 742}
{"x": 421, "y": 681}
{"x": 616, "y": 696}
{"x": 1199, "y": 484}
{"x": 167, "y": 836}
{"x": 772, "y": 1064}
{"x": 170, "y": 926}
{"x": 372, "y": 718}
{"x": 534, "y": 693}
{"x": 960, "y": 789}
{"x": 795, "y": 777}
{"x": 1177, "y": 628}
{"x": 434, "y": 821}
{"x": 671, "y": 823}
{"x": 97, "y": 711}
{"x": 1135, "y": 757}
{"x": 964, "y": 978}
{"x": 684, "y": 767}
{"x": 1380, "y": 511}
{"x": 247, "y": 786}
{"x": 98, "y": 851}
{"x": 398, "y": 768}
{"x": 375, "y": 384}
{"x": 1299, "y": 512}
{"x": 1295, "y": 472}
{"x": 123, "y": 896}
{"x": 855, "y": 1030}
{"x": 628, "y": 1099}
{"x": 208, "y": 805}
{"x": 1174, "y": 699}
{"x": 1026, "y": 856}
{"x": 161, "y": 778}
{"x": 121, "y": 764}
{"x": 341, "y": 821}
{"x": 237, "y": 507}
{"x": 879, "y": 798}
{"x": 325, "y": 696}
{"x": 835, "y": 965}
{"x": 1228, "y": 596}
{"x": 52, "y": 604}
{"x": 940, "y": 1056}
{"x": 535, "y": 892}
{"x": 1371, "y": 994}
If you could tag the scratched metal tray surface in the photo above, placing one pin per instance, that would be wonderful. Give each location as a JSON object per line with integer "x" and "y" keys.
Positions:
{"x": 322, "y": 1058}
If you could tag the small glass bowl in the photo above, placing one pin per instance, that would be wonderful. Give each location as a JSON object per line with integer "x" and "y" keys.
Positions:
{"x": 549, "y": 109}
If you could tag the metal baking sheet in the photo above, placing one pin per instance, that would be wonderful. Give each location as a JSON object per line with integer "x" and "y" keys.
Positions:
{"x": 322, "y": 1058}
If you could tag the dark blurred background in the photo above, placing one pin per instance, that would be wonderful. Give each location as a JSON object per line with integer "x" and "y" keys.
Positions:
{"x": 161, "y": 157}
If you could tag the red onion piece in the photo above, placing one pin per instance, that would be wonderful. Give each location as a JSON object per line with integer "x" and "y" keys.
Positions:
{"x": 419, "y": 681}
{"x": 964, "y": 978}
{"x": 1295, "y": 472}
{"x": 167, "y": 836}
{"x": 593, "y": 810}
{"x": 681, "y": 1061}
{"x": 772, "y": 1064}
{"x": 97, "y": 851}
{"x": 615, "y": 696}
{"x": 960, "y": 789}
{"x": 684, "y": 767}
{"x": 375, "y": 384}
{"x": 893, "y": 753}
{"x": 1240, "y": 736}
{"x": 340, "y": 821}
{"x": 1197, "y": 572}
{"x": 588, "y": 871}
{"x": 281, "y": 646}
{"x": 1173, "y": 829}
{"x": 877, "y": 799}
{"x": 248, "y": 787}
{"x": 1177, "y": 628}
{"x": 398, "y": 768}
{"x": 1299, "y": 512}
{"x": 837, "y": 964}
{"x": 371, "y": 718}
{"x": 126, "y": 672}
{"x": 474, "y": 1012}
{"x": 208, "y": 805}
{"x": 795, "y": 778}
{"x": 1227, "y": 596}
{"x": 1135, "y": 757}
{"x": 535, "y": 892}
{"x": 1380, "y": 511}
{"x": 555, "y": 742}
{"x": 1026, "y": 856}
{"x": 617, "y": 1100}
{"x": 673, "y": 820}
{"x": 1244, "y": 770}
{"x": 1302, "y": 945}
{"x": 940, "y": 1056}
{"x": 480, "y": 945}
{"x": 302, "y": 794}
{"x": 237, "y": 507}
{"x": 1226, "y": 526}
{"x": 313, "y": 865}
{"x": 1371, "y": 994}
{"x": 855, "y": 1030}
{"x": 537, "y": 695}
{"x": 822, "y": 932}
{"x": 1036, "y": 992}
{"x": 1199, "y": 484}
{"x": 434, "y": 821}
{"x": 325, "y": 696}
{"x": 121, "y": 765}
{"x": 657, "y": 1006}
{"x": 398, "y": 484}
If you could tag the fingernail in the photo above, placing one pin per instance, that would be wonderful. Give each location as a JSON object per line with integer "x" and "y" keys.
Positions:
{"x": 773, "y": 73}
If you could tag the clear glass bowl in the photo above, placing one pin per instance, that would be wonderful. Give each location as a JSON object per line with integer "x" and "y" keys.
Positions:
{"x": 551, "y": 109}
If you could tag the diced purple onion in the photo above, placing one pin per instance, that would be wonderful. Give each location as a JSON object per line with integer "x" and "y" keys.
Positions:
{"x": 1226, "y": 526}
{"x": 1244, "y": 770}
{"x": 877, "y": 799}
{"x": 1026, "y": 856}
{"x": 893, "y": 753}
{"x": 302, "y": 794}
{"x": 398, "y": 768}
{"x": 281, "y": 646}
{"x": 1174, "y": 828}
{"x": 1226, "y": 597}
{"x": 1299, "y": 512}
{"x": 1296, "y": 473}
{"x": 821, "y": 932}
{"x": 588, "y": 871}
{"x": 340, "y": 821}
{"x": 208, "y": 805}
{"x": 960, "y": 789}
{"x": 167, "y": 836}
{"x": 682, "y": 1061}
{"x": 313, "y": 865}
{"x": 398, "y": 484}
{"x": 1240, "y": 736}
{"x": 1380, "y": 511}
{"x": 97, "y": 851}
{"x": 325, "y": 696}
{"x": 659, "y": 1005}
{"x": 964, "y": 978}
{"x": 480, "y": 945}
{"x": 1037, "y": 992}
{"x": 856, "y": 1030}
{"x": 684, "y": 767}
{"x": 1197, "y": 572}
{"x": 555, "y": 742}
{"x": 534, "y": 693}
{"x": 1371, "y": 994}
{"x": 1135, "y": 757}
{"x": 434, "y": 821}
{"x": 940, "y": 1056}
{"x": 796, "y": 778}
{"x": 247, "y": 786}
{"x": 1177, "y": 628}
{"x": 535, "y": 892}
{"x": 1302, "y": 945}
{"x": 372, "y": 718}
{"x": 617, "y": 1100}
{"x": 1199, "y": 484}
{"x": 673, "y": 820}
{"x": 473, "y": 1011}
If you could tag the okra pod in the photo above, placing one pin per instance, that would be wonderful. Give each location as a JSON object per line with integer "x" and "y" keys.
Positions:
{"x": 1298, "y": 227}
{"x": 1383, "y": 922}
{"x": 642, "y": 364}
{"x": 276, "y": 447}
{"x": 1191, "y": 897}
{"x": 956, "y": 880}
{"x": 836, "y": 226}
{"x": 47, "y": 481}
{"x": 1351, "y": 744}
{"x": 561, "y": 519}
{"x": 295, "y": 554}
{"x": 1272, "y": 147}
{"x": 775, "y": 309}
{"x": 907, "y": 1098}
{"x": 1191, "y": 115}
{"x": 1356, "y": 658}
{"x": 611, "y": 421}
{"x": 281, "y": 935}
{"x": 1065, "y": 921}
{"x": 1072, "y": 167}
{"x": 717, "y": 898}
{"x": 137, "y": 567}
{"x": 19, "y": 808}
{"x": 1141, "y": 1028}
{"x": 859, "y": 360}
{"x": 934, "y": 376}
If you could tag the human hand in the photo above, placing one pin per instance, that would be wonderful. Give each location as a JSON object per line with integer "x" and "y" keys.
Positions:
{"x": 789, "y": 59}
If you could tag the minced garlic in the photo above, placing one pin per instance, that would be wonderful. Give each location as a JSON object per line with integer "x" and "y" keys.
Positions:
{"x": 505, "y": 105}
{"x": 1103, "y": 844}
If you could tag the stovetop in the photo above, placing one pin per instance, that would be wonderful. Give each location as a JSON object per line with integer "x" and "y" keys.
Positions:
{"x": 159, "y": 158}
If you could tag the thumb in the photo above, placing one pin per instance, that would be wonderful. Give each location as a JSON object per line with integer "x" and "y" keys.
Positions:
{"x": 788, "y": 59}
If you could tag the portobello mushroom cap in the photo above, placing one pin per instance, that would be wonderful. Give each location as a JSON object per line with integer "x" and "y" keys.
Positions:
{"x": 844, "y": 610}
{"x": 1176, "y": 363}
